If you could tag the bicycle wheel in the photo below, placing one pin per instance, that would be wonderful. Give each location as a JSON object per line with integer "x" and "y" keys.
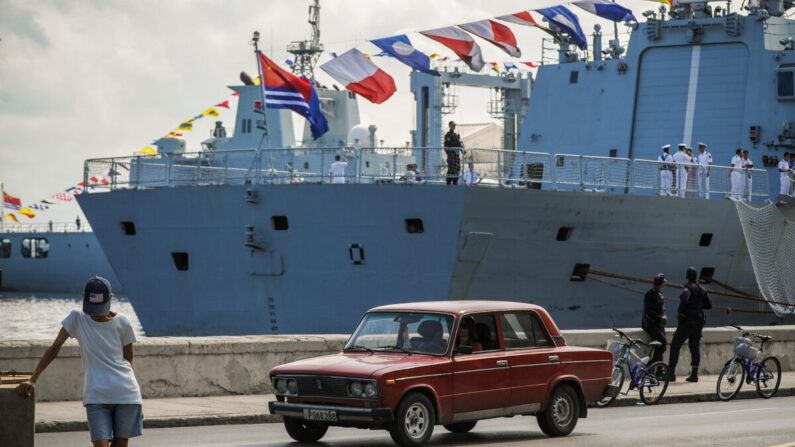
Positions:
{"x": 768, "y": 377}
{"x": 730, "y": 380}
{"x": 654, "y": 383}
{"x": 617, "y": 380}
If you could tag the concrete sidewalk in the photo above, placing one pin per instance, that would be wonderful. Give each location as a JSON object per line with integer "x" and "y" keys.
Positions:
{"x": 253, "y": 409}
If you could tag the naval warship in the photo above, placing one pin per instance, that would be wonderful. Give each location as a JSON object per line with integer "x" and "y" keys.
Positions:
{"x": 249, "y": 236}
{"x": 55, "y": 257}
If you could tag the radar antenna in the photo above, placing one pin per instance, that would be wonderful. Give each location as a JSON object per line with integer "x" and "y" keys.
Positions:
{"x": 307, "y": 52}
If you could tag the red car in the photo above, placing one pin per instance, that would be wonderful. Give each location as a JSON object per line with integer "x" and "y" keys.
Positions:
{"x": 410, "y": 367}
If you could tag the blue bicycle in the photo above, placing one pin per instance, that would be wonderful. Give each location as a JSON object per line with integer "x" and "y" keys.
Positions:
{"x": 650, "y": 381}
{"x": 746, "y": 367}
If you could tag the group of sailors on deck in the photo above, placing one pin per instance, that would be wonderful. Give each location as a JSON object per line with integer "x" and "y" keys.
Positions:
{"x": 686, "y": 173}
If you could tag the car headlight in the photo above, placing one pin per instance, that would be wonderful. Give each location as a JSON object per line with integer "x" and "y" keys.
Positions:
{"x": 292, "y": 386}
{"x": 280, "y": 385}
{"x": 355, "y": 389}
{"x": 370, "y": 390}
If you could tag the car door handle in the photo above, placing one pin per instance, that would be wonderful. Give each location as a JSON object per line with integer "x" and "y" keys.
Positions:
{"x": 502, "y": 363}
{"x": 553, "y": 359}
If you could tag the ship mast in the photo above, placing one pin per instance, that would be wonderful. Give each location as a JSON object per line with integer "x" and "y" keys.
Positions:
{"x": 307, "y": 52}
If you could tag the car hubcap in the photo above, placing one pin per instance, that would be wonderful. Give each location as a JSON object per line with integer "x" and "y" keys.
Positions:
{"x": 562, "y": 410}
{"x": 416, "y": 420}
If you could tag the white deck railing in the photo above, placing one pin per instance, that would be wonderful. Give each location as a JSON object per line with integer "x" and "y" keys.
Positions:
{"x": 493, "y": 168}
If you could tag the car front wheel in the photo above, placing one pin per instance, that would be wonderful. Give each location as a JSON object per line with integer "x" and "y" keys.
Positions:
{"x": 562, "y": 412}
{"x": 414, "y": 421}
{"x": 304, "y": 431}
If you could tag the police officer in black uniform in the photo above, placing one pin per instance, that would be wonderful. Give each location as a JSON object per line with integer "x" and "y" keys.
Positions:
{"x": 453, "y": 147}
{"x": 654, "y": 318}
{"x": 692, "y": 303}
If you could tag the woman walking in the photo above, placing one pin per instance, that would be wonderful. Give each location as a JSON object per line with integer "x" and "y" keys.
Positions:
{"x": 111, "y": 394}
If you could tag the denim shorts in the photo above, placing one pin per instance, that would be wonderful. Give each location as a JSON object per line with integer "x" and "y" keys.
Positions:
{"x": 106, "y": 421}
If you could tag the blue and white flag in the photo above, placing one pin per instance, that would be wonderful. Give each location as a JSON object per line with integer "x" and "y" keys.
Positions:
{"x": 567, "y": 21}
{"x": 401, "y": 49}
{"x": 607, "y": 10}
{"x": 510, "y": 66}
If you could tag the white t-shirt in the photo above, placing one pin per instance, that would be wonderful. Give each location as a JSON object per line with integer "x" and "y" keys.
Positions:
{"x": 109, "y": 378}
{"x": 337, "y": 171}
{"x": 737, "y": 162}
{"x": 681, "y": 157}
{"x": 470, "y": 178}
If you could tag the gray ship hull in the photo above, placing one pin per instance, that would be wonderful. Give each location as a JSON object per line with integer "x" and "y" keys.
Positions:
{"x": 346, "y": 248}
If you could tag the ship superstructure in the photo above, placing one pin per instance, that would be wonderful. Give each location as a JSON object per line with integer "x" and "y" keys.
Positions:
{"x": 253, "y": 238}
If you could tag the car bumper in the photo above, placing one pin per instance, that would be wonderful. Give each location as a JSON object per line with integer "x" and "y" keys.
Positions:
{"x": 344, "y": 414}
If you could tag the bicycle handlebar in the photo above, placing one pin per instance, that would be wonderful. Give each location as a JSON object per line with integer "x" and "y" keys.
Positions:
{"x": 760, "y": 337}
{"x": 632, "y": 341}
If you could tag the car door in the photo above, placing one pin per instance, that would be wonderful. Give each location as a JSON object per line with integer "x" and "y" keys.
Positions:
{"x": 481, "y": 380}
{"x": 532, "y": 358}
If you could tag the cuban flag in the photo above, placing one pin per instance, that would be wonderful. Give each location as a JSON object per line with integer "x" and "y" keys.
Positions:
{"x": 284, "y": 90}
{"x": 567, "y": 21}
{"x": 607, "y": 10}
{"x": 361, "y": 76}
{"x": 461, "y": 43}
{"x": 497, "y": 33}
{"x": 401, "y": 49}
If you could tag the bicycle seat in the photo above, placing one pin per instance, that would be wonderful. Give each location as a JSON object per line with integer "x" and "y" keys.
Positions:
{"x": 764, "y": 337}
{"x": 655, "y": 343}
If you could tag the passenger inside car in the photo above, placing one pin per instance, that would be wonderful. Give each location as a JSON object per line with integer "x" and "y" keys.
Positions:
{"x": 467, "y": 335}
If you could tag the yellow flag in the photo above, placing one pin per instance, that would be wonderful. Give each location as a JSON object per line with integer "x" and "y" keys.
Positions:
{"x": 211, "y": 112}
{"x": 185, "y": 126}
{"x": 147, "y": 150}
{"x": 11, "y": 216}
{"x": 434, "y": 56}
{"x": 256, "y": 80}
{"x": 27, "y": 212}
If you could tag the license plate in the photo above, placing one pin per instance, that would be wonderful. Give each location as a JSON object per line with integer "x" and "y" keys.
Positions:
{"x": 320, "y": 415}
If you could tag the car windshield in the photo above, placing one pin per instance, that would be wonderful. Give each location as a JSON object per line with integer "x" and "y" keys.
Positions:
{"x": 410, "y": 332}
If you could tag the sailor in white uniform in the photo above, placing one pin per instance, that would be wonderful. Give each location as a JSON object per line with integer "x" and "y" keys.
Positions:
{"x": 682, "y": 160}
{"x": 704, "y": 159}
{"x": 737, "y": 175}
{"x": 783, "y": 175}
{"x": 666, "y": 176}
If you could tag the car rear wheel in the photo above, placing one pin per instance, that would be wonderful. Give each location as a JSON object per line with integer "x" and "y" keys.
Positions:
{"x": 414, "y": 421}
{"x": 304, "y": 431}
{"x": 460, "y": 427}
{"x": 560, "y": 416}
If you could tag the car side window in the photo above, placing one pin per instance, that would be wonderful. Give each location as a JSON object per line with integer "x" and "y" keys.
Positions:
{"x": 523, "y": 330}
{"x": 478, "y": 332}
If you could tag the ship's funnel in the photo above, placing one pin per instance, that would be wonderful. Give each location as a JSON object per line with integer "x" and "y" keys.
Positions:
{"x": 246, "y": 79}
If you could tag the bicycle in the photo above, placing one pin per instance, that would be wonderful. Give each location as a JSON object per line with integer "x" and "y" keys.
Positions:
{"x": 746, "y": 367}
{"x": 651, "y": 381}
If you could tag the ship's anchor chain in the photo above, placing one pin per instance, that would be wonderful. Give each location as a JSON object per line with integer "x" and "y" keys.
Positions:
{"x": 594, "y": 275}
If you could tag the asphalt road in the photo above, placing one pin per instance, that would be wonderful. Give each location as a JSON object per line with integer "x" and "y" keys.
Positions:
{"x": 746, "y": 423}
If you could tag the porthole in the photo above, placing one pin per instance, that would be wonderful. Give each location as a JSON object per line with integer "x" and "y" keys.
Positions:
{"x": 564, "y": 233}
{"x": 180, "y": 260}
{"x": 414, "y": 226}
{"x": 280, "y": 223}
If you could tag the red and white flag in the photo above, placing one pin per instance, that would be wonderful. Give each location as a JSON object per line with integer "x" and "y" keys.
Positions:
{"x": 361, "y": 76}
{"x": 526, "y": 19}
{"x": 497, "y": 33}
{"x": 460, "y": 42}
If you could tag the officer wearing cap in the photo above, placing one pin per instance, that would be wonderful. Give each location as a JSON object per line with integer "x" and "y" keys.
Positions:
{"x": 682, "y": 160}
{"x": 692, "y": 303}
{"x": 453, "y": 147}
{"x": 654, "y": 318}
{"x": 111, "y": 394}
{"x": 666, "y": 176}
{"x": 704, "y": 159}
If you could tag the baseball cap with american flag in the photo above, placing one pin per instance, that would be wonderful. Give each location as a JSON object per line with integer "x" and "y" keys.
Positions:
{"x": 96, "y": 296}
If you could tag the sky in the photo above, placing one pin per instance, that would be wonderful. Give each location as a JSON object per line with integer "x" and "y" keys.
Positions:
{"x": 84, "y": 79}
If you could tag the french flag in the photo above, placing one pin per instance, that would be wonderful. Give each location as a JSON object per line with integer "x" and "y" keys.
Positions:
{"x": 607, "y": 10}
{"x": 359, "y": 75}
{"x": 460, "y": 42}
{"x": 497, "y": 33}
{"x": 284, "y": 90}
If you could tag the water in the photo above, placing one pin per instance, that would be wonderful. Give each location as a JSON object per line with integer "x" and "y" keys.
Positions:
{"x": 26, "y": 316}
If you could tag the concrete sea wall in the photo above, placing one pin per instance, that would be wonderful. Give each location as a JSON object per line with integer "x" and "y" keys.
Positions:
{"x": 206, "y": 366}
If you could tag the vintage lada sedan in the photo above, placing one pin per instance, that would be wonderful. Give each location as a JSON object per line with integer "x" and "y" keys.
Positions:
{"x": 410, "y": 367}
